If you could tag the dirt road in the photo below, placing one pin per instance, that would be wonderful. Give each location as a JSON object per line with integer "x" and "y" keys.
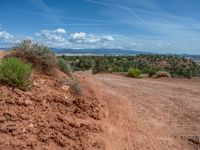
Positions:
{"x": 154, "y": 114}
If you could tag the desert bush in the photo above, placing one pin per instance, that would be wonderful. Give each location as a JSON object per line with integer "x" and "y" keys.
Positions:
{"x": 134, "y": 72}
{"x": 162, "y": 74}
{"x": 74, "y": 86}
{"x": 13, "y": 71}
{"x": 64, "y": 66}
{"x": 40, "y": 56}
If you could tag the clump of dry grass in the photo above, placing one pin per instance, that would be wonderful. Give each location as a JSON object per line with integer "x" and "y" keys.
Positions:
{"x": 162, "y": 74}
{"x": 74, "y": 86}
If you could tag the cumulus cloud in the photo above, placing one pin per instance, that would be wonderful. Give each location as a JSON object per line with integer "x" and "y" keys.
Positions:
{"x": 78, "y": 36}
{"x": 56, "y": 35}
{"x": 108, "y": 38}
{"x": 82, "y": 37}
{"x": 5, "y": 35}
{"x": 59, "y": 31}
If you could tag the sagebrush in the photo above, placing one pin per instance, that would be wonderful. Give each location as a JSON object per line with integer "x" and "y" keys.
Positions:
{"x": 38, "y": 55}
{"x": 64, "y": 66}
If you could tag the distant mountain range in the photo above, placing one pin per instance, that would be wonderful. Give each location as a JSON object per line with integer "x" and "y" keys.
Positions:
{"x": 111, "y": 52}
{"x": 99, "y": 51}
{"x": 107, "y": 52}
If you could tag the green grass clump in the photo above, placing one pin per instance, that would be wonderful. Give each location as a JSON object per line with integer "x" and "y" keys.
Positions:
{"x": 14, "y": 72}
{"x": 134, "y": 72}
{"x": 64, "y": 66}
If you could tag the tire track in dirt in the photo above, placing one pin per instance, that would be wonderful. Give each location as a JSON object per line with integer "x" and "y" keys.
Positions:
{"x": 119, "y": 119}
{"x": 135, "y": 133}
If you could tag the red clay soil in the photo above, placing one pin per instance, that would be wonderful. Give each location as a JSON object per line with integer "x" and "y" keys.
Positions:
{"x": 153, "y": 114}
{"x": 49, "y": 116}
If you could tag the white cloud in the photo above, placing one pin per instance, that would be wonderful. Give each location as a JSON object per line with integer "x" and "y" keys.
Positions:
{"x": 78, "y": 36}
{"x": 56, "y": 35}
{"x": 108, "y": 38}
{"x": 5, "y": 35}
{"x": 93, "y": 40}
{"x": 82, "y": 37}
{"x": 58, "y": 38}
{"x": 59, "y": 31}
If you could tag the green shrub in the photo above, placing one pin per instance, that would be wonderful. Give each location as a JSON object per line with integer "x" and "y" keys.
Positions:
{"x": 13, "y": 71}
{"x": 134, "y": 72}
{"x": 162, "y": 74}
{"x": 40, "y": 56}
{"x": 64, "y": 66}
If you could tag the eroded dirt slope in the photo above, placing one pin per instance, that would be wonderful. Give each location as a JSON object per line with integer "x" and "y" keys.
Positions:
{"x": 49, "y": 116}
{"x": 155, "y": 114}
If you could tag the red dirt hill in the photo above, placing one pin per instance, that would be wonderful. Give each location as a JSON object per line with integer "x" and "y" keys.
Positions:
{"x": 48, "y": 116}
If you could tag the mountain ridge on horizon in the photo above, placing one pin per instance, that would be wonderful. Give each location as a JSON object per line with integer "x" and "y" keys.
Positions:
{"x": 106, "y": 51}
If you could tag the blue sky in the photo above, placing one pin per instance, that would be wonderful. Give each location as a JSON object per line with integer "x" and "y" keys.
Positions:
{"x": 171, "y": 26}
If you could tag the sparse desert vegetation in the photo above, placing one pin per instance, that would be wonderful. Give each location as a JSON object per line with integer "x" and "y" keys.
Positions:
{"x": 176, "y": 66}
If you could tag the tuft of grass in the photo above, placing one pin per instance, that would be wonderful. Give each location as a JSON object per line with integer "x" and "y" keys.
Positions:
{"x": 134, "y": 72}
{"x": 14, "y": 72}
{"x": 38, "y": 55}
{"x": 143, "y": 75}
{"x": 64, "y": 66}
{"x": 74, "y": 86}
{"x": 162, "y": 74}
